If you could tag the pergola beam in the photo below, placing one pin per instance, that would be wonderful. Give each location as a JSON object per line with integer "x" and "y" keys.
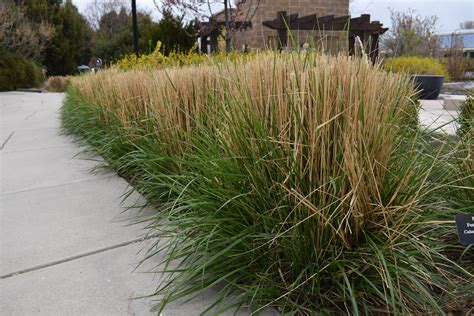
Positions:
{"x": 328, "y": 23}
{"x": 362, "y": 27}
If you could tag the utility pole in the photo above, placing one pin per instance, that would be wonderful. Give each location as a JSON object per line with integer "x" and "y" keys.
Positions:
{"x": 227, "y": 28}
{"x": 135, "y": 27}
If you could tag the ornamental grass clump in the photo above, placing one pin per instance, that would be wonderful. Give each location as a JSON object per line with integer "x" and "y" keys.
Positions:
{"x": 58, "y": 83}
{"x": 291, "y": 180}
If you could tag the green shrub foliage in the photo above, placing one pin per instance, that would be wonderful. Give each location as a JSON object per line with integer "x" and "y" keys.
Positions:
{"x": 112, "y": 40}
{"x": 70, "y": 45}
{"x": 18, "y": 72}
{"x": 173, "y": 34}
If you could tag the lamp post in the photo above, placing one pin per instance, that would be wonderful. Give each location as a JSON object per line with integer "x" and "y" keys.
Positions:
{"x": 135, "y": 27}
{"x": 227, "y": 28}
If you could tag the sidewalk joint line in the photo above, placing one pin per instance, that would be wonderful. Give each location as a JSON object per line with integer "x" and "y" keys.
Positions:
{"x": 6, "y": 140}
{"x": 57, "y": 185}
{"x": 40, "y": 148}
{"x": 72, "y": 258}
{"x": 26, "y": 118}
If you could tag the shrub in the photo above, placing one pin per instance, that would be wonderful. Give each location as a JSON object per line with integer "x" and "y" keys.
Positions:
{"x": 416, "y": 65}
{"x": 456, "y": 67}
{"x": 470, "y": 66}
{"x": 466, "y": 132}
{"x": 153, "y": 60}
{"x": 18, "y": 72}
{"x": 466, "y": 117}
{"x": 156, "y": 60}
{"x": 289, "y": 180}
{"x": 455, "y": 62}
{"x": 411, "y": 34}
{"x": 58, "y": 83}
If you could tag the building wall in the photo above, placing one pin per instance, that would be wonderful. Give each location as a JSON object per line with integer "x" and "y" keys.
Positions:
{"x": 261, "y": 37}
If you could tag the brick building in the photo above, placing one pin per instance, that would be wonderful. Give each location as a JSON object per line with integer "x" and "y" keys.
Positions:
{"x": 258, "y": 11}
{"x": 288, "y": 24}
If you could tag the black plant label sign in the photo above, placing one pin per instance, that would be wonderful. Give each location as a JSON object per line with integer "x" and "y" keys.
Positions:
{"x": 465, "y": 225}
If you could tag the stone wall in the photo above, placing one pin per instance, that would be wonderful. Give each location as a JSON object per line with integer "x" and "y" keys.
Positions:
{"x": 261, "y": 37}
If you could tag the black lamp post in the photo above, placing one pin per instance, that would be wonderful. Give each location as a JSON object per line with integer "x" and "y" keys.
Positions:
{"x": 227, "y": 28}
{"x": 135, "y": 27}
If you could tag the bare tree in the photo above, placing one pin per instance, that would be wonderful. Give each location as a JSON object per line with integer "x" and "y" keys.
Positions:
{"x": 411, "y": 34}
{"x": 454, "y": 60}
{"x": 98, "y": 8}
{"x": 191, "y": 9}
{"x": 205, "y": 10}
{"x": 20, "y": 35}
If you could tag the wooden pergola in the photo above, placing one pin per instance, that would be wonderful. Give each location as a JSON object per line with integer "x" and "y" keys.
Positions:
{"x": 209, "y": 32}
{"x": 361, "y": 27}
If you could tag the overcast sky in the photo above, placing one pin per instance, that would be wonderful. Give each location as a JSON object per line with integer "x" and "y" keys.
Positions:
{"x": 450, "y": 12}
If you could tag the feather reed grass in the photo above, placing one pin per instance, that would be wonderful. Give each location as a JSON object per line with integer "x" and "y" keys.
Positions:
{"x": 294, "y": 180}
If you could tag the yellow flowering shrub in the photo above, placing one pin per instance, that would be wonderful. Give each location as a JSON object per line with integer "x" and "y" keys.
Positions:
{"x": 416, "y": 66}
{"x": 156, "y": 59}
{"x": 152, "y": 60}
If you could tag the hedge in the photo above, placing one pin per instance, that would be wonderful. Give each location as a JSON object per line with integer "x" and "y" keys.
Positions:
{"x": 18, "y": 72}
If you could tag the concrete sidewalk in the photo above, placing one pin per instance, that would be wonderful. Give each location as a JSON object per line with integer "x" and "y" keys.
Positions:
{"x": 433, "y": 116}
{"x": 66, "y": 246}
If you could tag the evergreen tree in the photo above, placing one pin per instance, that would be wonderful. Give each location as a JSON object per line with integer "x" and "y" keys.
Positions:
{"x": 70, "y": 45}
{"x": 70, "y": 42}
{"x": 113, "y": 39}
{"x": 41, "y": 10}
{"x": 174, "y": 34}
